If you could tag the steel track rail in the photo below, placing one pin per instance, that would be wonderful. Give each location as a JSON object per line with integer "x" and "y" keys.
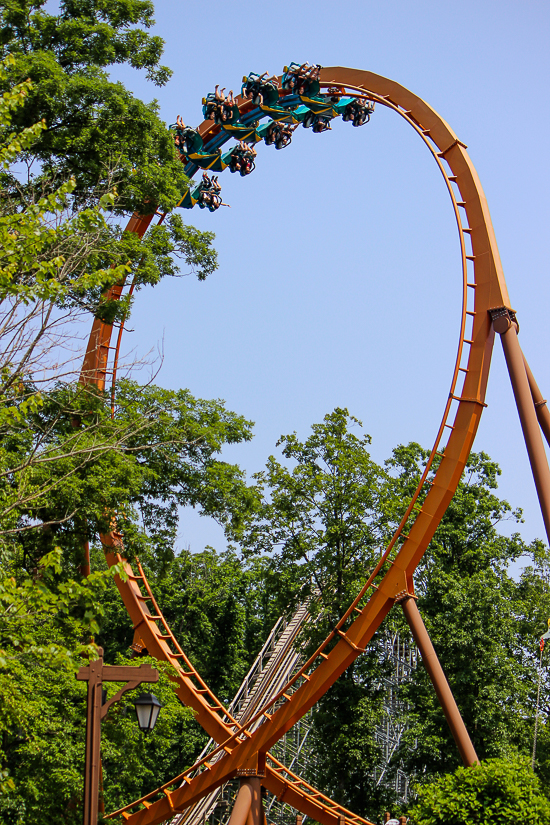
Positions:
{"x": 482, "y": 274}
{"x": 154, "y": 632}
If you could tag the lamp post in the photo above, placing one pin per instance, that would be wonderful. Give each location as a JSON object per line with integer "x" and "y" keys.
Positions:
{"x": 95, "y": 674}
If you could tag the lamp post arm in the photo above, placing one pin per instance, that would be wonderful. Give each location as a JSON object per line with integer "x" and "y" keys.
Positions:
{"x": 118, "y": 673}
{"x": 128, "y": 686}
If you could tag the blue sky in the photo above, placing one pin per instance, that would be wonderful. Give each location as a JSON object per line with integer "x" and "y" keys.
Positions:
{"x": 339, "y": 277}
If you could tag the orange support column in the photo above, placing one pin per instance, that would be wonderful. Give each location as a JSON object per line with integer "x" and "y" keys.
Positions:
{"x": 255, "y": 814}
{"x": 246, "y": 810}
{"x": 504, "y": 322}
{"x": 439, "y": 681}
{"x": 541, "y": 408}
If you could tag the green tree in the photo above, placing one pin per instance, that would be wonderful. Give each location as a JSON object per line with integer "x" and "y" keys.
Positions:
{"x": 92, "y": 151}
{"x": 157, "y": 454}
{"x": 96, "y": 130}
{"x": 160, "y": 452}
{"x": 323, "y": 521}
{"x": 58, "y": 259}
{"x": 484, "y": 623}
{"x": 44, "y": 743}
{"x": 497, "y": 792}
{"x": 31, "y": 261}
{"x": 61, "y": 449}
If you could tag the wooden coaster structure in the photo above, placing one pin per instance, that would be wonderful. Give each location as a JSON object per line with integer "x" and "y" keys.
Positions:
{"x": 243, "y": 751}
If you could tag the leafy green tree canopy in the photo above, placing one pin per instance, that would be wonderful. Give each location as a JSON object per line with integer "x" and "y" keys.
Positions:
{"x": 322, "y": 521}
{"x": 43, "y": 723}
{"x": 157, "y": 454}
{"x": 57, "y": 261}
{"x": 96, "y": 130}
{"x": 496, "y": 792}
{"x": 59, "y": 485}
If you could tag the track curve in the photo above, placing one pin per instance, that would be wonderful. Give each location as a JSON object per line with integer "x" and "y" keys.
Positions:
{"x": 483, "y": 289}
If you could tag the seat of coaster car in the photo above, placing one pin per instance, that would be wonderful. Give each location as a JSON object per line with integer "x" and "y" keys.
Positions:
{"x": 321, "y": 104}
{"x": 241, "y": 160}
{"x": 189, "y": 140}
{"x": 255, "y": 87}
{"x": 213, "y": 161}
{"x": 240, "y": 131}
{"x": 219, "y": 110}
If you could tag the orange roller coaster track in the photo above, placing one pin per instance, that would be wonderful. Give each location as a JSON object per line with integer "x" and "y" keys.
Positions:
{"x": 243, "y": 751}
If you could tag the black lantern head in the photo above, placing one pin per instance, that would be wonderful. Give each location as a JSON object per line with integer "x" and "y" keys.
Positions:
{"x": 147, "y": 710}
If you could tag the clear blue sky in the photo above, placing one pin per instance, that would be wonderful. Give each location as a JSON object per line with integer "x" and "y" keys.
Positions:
{"x": 339, "y": 277}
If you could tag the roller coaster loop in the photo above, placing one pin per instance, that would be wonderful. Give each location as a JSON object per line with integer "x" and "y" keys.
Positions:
{"x": 313, "y": 96}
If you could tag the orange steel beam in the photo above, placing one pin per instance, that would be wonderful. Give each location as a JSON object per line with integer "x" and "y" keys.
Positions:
{"x": 541, "y": 408}
{"x": 94, "y": 367}
{"x": 439, "y": 681}
{"x": 248, "y": 797}
{"x": 96, "y": 358}
{"x": 245, "y": 750}
{"x": 194, "y": 692}
{"x": 504, "y": 322}
{"x": 161, "y": 644}
{"x": 295, "y": 793}
{"x": 303, "y": 797}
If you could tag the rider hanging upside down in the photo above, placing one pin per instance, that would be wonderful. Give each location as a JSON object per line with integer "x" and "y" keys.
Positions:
{"x": 209, "y": 193}
{"x": 318, "y": 123}
{"x": 179, "y": 139}
{"x": 307, "y": 74}
{"x": 259, "y": 87}
{"x": 358, "y": 111}
{"x": 334, "y": 94}
{"x": 226, "y": 106}
{"x": 187, "y": 140}
{"x": 242, "y": 159}
{"x": 280, "y": 134}
{"x": 211, "y": 104}
{"x": 302, "y": 80}
{"x": 220, "y": 108}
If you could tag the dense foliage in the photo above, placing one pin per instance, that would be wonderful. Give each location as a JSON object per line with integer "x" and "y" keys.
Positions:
{"x": 95, "y": 128}
{"x": 497, "y": 792}
{"x": 65, "y": 458}
{"x": 76, "y": 151}
{"x": 484, "y": 624}
{"x": 157, "y": 454}
{"x": 43, "y": 729}
{"x": 322, "y": 523}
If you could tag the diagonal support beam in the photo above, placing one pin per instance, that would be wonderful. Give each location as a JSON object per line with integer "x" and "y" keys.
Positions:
{"x": 504, "y": 322}
{"x": 439, "y": 681}
{"x": 541, "y": 408}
